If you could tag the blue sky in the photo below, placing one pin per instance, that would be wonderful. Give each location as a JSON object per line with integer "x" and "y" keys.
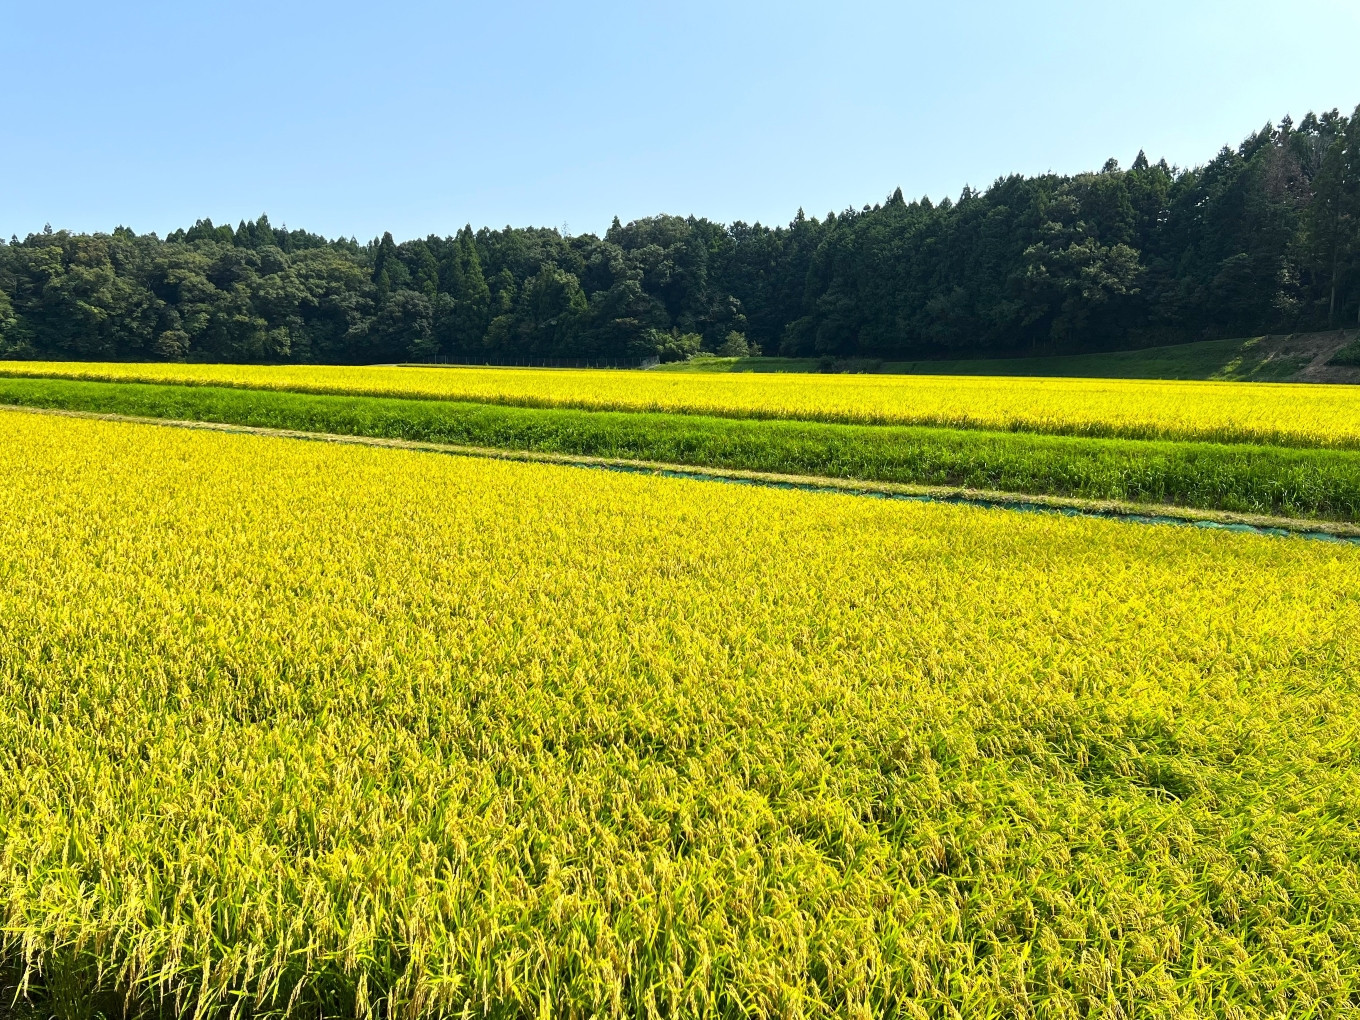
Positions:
{"x": 417, "y": 118}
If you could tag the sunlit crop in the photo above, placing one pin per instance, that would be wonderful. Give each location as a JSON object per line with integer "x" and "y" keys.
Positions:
{"x": 294, "y": 727}
{"x": 1288, "y": 413}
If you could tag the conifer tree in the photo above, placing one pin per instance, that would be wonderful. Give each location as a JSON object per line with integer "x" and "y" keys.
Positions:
{"x": 472, "y": 299}
{"x": 383, "y": 260}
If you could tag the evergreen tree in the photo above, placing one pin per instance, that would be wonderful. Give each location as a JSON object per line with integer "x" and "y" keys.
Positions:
{"x": 384, "y": 262}
{"x": 1262, "y": 237}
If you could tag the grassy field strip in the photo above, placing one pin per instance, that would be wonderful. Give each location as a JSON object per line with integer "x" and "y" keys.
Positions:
{"x": 1271, "y": 481}
{"x": 1276, "y": 413}
{"x": 1113, "y": 509}
{"x": 328, "y": 729}
{"x": 1300, "y": 357}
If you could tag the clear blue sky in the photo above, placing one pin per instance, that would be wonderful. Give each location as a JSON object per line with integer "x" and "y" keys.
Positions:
{"x": 418, "y": 117}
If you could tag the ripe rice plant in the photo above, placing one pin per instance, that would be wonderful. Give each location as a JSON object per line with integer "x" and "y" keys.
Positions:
{"x": 295, "y": 729}
{"x": 1317, "y": 483}
{"x": 1290, "y": 414}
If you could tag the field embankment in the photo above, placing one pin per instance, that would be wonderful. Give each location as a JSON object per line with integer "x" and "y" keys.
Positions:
{"x": 1243, "y": 478}
{"x": 1295, "y": 357}
{"x": 344, "y": 731}
{"x": 1268, "y": 413}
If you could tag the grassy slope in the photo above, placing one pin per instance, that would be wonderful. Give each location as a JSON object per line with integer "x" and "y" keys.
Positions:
{"x": 1212, "y": 359}
{"x": 1250, "y": 479}
{"x": 1249, "y": 358}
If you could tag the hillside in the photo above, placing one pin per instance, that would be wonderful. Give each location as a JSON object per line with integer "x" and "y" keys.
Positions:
{"x": 1301, "y": 357}
{"x": 1113, "y": 258}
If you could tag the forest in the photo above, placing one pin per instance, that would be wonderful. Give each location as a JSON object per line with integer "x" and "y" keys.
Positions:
{"x": 1262, "y": 238}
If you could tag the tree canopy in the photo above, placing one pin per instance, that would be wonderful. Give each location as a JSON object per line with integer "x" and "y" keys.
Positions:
{"x": 1264, "y": 237}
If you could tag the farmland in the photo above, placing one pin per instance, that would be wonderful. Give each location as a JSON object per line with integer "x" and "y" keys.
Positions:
{"x": 1275, "y": 413}
{"x": 1316, "y": 476}
{"x": 1316, "y": 484}
{"x": 301, "y": 728}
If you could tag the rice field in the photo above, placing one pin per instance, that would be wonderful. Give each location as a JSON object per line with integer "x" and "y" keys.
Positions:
{"x": 1278, "y": 413}
{"x": 294, "y": 729}
{"x": 1280, "y": 482}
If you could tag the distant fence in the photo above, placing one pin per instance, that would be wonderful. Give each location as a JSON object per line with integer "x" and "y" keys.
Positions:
{"x": 450, "y": 360}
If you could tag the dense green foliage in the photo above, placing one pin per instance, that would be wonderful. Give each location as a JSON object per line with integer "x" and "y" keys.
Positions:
{"x": 1240, "y": 477}
{"x": 1265, "y": 236}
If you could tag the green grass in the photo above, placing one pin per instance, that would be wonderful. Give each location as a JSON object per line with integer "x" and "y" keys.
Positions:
{"x": 1348, "y": 356}
{"x": 1314, "y": 483}
{"x": 1236, "y": 359}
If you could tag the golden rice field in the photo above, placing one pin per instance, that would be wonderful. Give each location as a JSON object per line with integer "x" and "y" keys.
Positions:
{"x": 1286, "y": 413}
{"x": 305, "y": 729}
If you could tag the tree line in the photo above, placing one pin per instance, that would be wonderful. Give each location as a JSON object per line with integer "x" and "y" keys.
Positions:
{"x": 1263, "y": 237}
